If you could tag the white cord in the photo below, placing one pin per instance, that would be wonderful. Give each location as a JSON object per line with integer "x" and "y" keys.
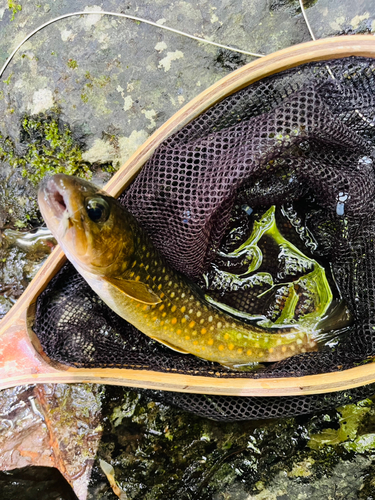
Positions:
{"x": 306, "y": 20}
{"x": 127, "y": 17}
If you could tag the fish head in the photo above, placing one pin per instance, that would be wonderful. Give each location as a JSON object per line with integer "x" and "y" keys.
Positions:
{"x": 92, "y": 228}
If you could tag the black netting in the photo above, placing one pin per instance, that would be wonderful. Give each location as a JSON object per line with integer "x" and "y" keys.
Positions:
{"x": 300, "y": 140}
{"x": 232, "y": 408}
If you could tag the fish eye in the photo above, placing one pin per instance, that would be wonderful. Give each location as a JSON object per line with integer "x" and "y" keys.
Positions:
{"x": 97, "y": 209}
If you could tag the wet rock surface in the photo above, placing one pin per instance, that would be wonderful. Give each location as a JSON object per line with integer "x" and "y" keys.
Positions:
{"x": 103, "y": 85}
{"x": 161, "y": 452}
{"x": 52, "y": 425}
{"x": 45, "y": 483}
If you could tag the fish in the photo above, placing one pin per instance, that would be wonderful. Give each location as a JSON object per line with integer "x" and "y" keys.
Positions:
{"x": 112, "y": 252}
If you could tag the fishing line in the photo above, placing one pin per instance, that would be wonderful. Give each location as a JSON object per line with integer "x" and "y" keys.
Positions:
{"x": 146, "y": 21}
{"x": 306, "y": 20}
{"x": 126, "y": 16}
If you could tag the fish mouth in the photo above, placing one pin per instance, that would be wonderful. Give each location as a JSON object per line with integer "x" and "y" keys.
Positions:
{"x": 52, "y": 193}
{"x": 54, "y": 196}
{"x": 56, "y": 203}
{"x": 60, "y": 201}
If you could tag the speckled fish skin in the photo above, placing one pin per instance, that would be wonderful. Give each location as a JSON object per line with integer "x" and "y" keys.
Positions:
{"x": 123, "y": 267}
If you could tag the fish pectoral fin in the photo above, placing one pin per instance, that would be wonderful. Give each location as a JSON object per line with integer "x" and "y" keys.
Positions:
{"x": 171, "y": 346}
{"x": 135, "y": 290}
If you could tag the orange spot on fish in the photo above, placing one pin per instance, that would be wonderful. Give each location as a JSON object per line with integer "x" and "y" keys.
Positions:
{"x": 221, "y": 347}
{"x": 174, "y": 321}
{"x": 179, "y": 332}
{"x": 173, "y": 308}
{"x": 161, "y": 307}
{"x": 210, "y": 341}
{"x": 183, "y": 309}
{"x": 249, "y": 352}
{"x": 231, "y": 347}
{"x": 283, "y": 349}
{"x": 162, "y": 295}
{"x": 191, "y": 324}
{"x": 195, "y": 342}
{"x": 187, "y": 337}
{"x": 183, "y": 320}
{"x": 203, "y": 331}
{"x": 240, "y": 350}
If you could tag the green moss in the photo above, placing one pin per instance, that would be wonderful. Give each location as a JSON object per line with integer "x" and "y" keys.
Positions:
{"x": 347, "y": 434}
{"x": 92, "y": 94}
{"x": 50, "y": 149}
{"x": 20, "y": 224}
{"x": 14, "y": 7}
{"x": 361, "y": 444}
{"x": 72, "y": 64}
{"x": 110, "y": 168}
{"x": 102, "y": 81}
{"x": 302, "y": 469}
{"x": 7, "y": 81}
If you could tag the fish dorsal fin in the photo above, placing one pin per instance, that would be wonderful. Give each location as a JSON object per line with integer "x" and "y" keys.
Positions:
{"x": 171, "y": 346}
{"x": 135, "y": 290}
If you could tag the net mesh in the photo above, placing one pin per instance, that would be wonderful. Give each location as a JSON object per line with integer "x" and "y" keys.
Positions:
{"x": 299, "y": 140}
